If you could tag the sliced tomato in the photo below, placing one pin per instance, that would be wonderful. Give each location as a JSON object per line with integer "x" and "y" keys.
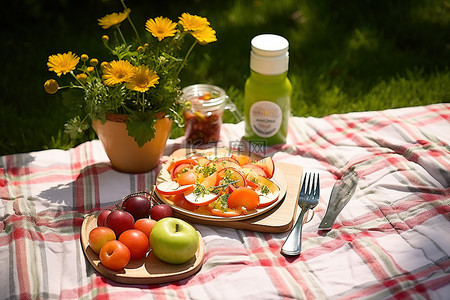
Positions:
{"x": 187, "y": 178}
{"x": 251, "y": 184}
{"x": 243, "y": 197}
{"x": 188, "y": 161}
{"x": 211, "y": 180}
{"x": 242, "y": 159}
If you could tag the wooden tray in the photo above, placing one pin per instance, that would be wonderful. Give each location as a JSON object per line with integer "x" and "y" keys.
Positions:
{"x": 148, "y": 270}
{"x": 279, "y": 219}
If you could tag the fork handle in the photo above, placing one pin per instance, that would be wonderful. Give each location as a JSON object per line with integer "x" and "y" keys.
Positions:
{"x": 293, "y": 243}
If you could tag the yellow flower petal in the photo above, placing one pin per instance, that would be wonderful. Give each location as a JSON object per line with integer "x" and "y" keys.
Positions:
{"x": 193, "y": 22}
{"x": 143, "y": 79}
{"x": 161, "y": 27}
{"x": 113, "y": 19}
{"x": 205, "y": 36}
{"x": 117, "y": 72}
{"x": 62, "y": 63}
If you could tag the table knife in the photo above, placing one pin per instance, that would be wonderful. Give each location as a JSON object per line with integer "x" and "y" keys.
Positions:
{"x": 341, "y": 193}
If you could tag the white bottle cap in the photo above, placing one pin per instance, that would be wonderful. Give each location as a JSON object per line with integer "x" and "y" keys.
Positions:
{"x": 269, "y": 55}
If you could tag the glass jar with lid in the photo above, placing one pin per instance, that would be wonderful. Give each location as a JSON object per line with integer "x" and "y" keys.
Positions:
{"x": 203, "y": 117}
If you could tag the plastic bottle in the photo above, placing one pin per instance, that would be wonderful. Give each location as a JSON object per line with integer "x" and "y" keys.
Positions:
{"x": 267, "y": 91}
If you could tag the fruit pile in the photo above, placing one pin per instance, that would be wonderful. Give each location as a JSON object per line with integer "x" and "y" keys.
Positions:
{"x": 135, "y": 227}
{"x": 225, "y": 186}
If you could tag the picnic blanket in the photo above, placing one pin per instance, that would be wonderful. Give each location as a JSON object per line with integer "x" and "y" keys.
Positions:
{"x": 392, "y": 240}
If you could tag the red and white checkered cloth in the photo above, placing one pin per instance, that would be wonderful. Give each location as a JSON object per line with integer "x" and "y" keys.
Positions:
{"x": 392, "y": 240}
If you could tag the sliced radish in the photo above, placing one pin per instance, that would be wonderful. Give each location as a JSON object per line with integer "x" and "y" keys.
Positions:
{"x": 249, "y": 168}
{"x": 266, "y": 199}
{"x": 200, "y": 200}
{"x": 173, "y": 188}
{"x": 267, "y": 165}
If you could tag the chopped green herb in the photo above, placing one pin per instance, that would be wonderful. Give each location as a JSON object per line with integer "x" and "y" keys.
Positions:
{"x": 200, "y": 190}
{"x": 265, "y": 189}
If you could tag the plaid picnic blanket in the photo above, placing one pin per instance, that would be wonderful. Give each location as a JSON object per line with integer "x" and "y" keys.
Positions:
{"x": 391, "y": 240}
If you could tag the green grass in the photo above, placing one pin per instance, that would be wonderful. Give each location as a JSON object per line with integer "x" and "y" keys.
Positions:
{"x": 344, "y": 55}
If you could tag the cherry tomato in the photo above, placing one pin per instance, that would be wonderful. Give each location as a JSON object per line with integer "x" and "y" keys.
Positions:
{"x": 114, "y": 255}
{"x": 145, "y": 225}
{"x": 100, "y": 236}
{"x": 186, "y": 178}
{"x": 136, "y": 241}
{"x": 245, "y": 197}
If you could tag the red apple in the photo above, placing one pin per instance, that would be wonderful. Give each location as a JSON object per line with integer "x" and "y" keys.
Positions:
{"x": 138, "y": 206}
{"x": 99, "y": 236}
{"x": 102, "y": 217}
{"x": 161, "y": 211}
{"x": 119, "y": 221}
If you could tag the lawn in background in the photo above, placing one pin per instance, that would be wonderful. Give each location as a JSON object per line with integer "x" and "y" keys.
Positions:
{"x": 344, "y": 55}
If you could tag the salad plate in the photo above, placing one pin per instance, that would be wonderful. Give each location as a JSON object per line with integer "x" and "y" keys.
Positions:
{"x": 199, "y": 212}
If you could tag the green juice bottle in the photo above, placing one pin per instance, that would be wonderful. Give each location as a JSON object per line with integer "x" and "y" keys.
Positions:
{"x": 267, "y": 91}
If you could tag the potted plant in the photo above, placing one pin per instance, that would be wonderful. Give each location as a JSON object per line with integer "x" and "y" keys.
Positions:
{"x": 132, "y": 100}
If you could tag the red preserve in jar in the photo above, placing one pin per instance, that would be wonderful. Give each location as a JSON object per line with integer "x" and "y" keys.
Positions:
{"x": 203, "y": 118}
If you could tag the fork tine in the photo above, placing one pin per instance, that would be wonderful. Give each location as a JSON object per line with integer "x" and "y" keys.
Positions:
{"x": 303, "y": 189}
{"x": 317, "y": 187}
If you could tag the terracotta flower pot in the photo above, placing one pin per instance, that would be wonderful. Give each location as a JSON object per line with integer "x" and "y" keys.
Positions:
{"x": 123, "y": 151}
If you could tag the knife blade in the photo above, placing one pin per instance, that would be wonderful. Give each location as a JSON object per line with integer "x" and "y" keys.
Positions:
{"x": 341, "y": 193}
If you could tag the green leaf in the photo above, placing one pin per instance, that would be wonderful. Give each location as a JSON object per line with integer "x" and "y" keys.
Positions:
{"x": 75, "y": 128}
{"x": 141, "y": 126}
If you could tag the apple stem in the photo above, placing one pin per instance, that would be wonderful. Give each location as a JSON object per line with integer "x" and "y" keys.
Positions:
{"x": 177, "y": 227}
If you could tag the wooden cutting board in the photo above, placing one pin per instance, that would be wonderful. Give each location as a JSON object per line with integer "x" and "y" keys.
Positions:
{"x": 148, "y": 270}
{"x": 279, "y": 219}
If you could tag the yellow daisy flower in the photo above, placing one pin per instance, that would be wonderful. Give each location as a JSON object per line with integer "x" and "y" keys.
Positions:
{"x": 193, "y": 22}
{"x": 62, "y": 63}
{"x": 117, "y": 72}
{"x": 51, "y": 86}
{"x": 205, "y": 36}
{"x": 113, "y": 19}
{"x": 143, "y": 79}
{"x": 161, "y": 27}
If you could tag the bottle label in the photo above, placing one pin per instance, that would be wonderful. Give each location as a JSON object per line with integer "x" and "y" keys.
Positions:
{"x": 265, "y": 118}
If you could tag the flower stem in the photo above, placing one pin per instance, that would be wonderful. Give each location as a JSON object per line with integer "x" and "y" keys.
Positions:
{"x": 186, "y": 57}
{"x": 121, "y": 35}
{"x": 73, "y": 75}
{"x": 131, "y": 23}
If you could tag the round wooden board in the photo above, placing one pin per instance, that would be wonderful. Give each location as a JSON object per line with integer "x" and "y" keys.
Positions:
{"x": 278, "y": 178}
{"x": 148, "y": 270}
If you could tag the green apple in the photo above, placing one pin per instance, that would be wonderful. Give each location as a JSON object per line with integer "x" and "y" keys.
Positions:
{"x": 173, "y": 240}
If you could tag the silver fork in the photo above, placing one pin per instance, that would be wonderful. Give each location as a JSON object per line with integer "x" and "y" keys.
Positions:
{"x": 308, "y": 199}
